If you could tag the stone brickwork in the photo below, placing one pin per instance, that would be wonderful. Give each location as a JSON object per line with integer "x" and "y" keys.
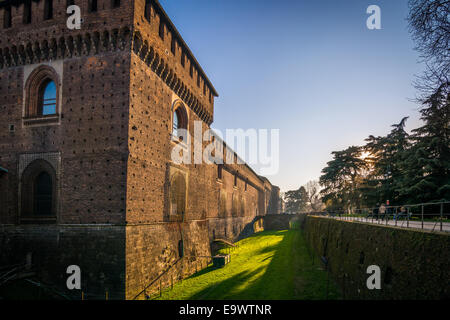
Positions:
{"x": 414, "y": 264}
{"x": 118, "y": 81}
{"x": 99, "y": 251}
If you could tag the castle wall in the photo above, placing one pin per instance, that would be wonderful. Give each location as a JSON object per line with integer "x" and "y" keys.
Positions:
{"x": 89, "y": 141}
{"x": 153, "y": 253}
{"x": 110, "y": 146}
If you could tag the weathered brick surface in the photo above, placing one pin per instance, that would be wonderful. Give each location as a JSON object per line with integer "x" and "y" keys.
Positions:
{"x": 414, "y": 264}
{"x": 98, "y": 251}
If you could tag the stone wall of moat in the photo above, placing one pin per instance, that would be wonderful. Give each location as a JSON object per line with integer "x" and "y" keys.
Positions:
{"x": 414, "y": 264}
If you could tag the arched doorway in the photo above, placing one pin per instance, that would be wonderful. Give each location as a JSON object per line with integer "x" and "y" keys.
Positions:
{"x": 38, "y": 192}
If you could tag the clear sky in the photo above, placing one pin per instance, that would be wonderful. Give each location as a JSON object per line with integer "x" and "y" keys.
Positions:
{"x": 310, "y": 68}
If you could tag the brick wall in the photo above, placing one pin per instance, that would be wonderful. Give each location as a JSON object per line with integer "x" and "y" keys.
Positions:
{"x": 119, "y": 81}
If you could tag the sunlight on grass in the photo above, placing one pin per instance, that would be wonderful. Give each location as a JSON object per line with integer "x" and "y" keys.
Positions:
{"x": 267, "y": 265}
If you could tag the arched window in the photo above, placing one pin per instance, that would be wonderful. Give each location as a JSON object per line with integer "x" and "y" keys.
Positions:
{"x": 42, "y": 96}
{"x": 179, "y": 122}
{"x": 38, "y": 192}
{"x": 43, "y": 194}
{"x": 47, "y": 101}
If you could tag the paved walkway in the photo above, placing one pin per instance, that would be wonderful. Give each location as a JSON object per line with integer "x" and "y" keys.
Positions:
{"x": 427, "y": 225}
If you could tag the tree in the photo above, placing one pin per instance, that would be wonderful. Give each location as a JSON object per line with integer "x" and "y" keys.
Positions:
{"x": 296, "y": 200}
{"x": 429, "y": 25}
{"x": 384, "y": 161}
{"x": 341, "y": 179}
{"x": 313, "y": 192}
{"x": 426, "y": 166}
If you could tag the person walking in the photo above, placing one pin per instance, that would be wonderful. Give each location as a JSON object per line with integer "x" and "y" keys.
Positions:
{"x": 382, "y": 211}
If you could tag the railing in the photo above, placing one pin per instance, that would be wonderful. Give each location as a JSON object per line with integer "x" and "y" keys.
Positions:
{"x": 428, "y": 216}
{"x": 167, "y": 279}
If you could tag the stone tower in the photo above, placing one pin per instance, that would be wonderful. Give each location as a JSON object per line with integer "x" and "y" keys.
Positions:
{"x": 89, "y": 120}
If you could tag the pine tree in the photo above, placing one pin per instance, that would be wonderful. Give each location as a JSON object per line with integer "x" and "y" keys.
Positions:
{"x": 426, "y": 166}
{"x": 385, "y": 157}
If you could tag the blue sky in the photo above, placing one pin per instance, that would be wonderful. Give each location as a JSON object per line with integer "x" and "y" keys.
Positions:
{"x": 309, "y": 68}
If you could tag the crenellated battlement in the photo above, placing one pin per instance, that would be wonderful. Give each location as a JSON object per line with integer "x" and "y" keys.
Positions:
{"x": 36, "y": 31}
{"x": 82, "y": 44}
{"x": 157, "y": 35}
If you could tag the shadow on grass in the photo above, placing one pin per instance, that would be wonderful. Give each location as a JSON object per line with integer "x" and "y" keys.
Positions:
{"x": 274, "y": 283}
{"x": 226, "y": 286}
{"x": 202, "y": 272}
{"x": 289, "y": 275}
